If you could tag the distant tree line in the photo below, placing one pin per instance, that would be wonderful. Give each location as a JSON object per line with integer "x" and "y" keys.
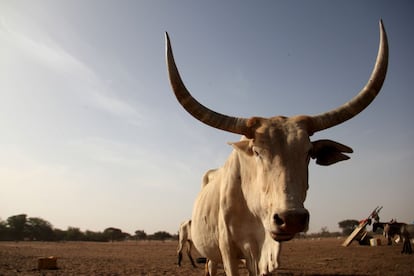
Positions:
{"x": 21, "y": 227}
{"x": 347, "y": 226}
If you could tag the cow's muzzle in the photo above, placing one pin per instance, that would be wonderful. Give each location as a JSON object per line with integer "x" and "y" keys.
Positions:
{"x": 289, "y": 223}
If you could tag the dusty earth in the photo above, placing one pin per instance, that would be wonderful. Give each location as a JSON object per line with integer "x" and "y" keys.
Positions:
{"x": 299, "y": 257}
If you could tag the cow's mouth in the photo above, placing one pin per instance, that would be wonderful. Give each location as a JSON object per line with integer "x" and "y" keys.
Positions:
{"x": 280, "y": 236}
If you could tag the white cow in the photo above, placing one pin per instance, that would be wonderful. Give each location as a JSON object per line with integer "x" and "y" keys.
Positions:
{"x": 184, "y": 238}
{"x": 255, "y": 201}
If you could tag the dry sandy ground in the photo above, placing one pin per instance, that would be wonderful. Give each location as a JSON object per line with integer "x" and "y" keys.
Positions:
{"x": 299, "y": 257}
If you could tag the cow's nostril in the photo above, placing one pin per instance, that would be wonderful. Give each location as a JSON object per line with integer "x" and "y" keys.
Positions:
{"x": 292, "y": 221}
{"x": 278, "y": 220}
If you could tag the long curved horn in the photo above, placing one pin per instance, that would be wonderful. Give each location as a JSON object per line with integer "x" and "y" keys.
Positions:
{"x": 196, "y": 109}
{"x": 364, "y": 97}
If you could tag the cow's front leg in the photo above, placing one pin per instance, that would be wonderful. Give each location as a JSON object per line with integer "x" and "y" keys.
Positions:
{"x": 228, "y": 250}
{"x": 230, "y": 263}
{"x": 269, "y": 256}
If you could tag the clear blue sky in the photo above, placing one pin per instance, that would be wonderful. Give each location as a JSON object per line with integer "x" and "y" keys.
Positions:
{"x": 92, "y": 135}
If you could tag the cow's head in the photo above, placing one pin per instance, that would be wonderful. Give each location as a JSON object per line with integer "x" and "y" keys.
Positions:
{"x": 278, "y": 149}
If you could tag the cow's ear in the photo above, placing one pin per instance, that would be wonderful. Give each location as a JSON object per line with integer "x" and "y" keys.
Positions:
{"x": 243, "y": 146}
{"x": 328, "y": 152}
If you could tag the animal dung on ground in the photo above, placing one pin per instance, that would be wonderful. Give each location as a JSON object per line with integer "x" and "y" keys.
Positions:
{"x": 47, "y": 263}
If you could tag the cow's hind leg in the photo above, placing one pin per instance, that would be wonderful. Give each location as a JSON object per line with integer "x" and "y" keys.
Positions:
{"x": 189, "y": 246}
{"x": 179, "y": 253}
